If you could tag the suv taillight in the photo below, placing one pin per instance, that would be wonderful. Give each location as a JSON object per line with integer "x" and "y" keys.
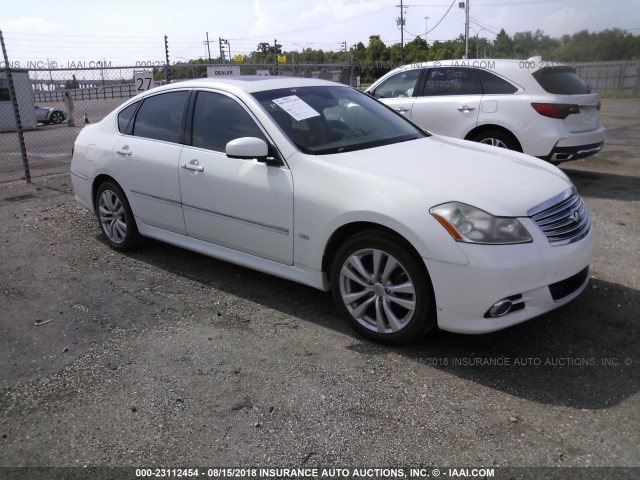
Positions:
{"x": 556, "y": 110}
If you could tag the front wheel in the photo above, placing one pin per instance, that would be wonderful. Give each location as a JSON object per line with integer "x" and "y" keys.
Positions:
{"x": 116, "y": 218}
{"x": 382, "y": 289}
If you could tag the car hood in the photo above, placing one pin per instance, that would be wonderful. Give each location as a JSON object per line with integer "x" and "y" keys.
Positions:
{"x": 443, "y": 169}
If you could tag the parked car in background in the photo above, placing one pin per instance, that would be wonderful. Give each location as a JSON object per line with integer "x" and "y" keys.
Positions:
{"x": 540, "y": 108}
{"x": 321, "y": 184}
{"x": 49, "y": 115}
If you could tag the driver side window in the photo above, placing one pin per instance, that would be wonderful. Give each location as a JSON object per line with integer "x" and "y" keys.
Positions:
{"x": 218, "y": 119}
{"x": 401, "y": 85}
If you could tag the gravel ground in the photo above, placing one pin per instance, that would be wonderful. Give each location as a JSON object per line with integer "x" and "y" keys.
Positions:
{"x": 163, "y": 357}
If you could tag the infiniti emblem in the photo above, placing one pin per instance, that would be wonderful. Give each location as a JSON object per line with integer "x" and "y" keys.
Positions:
{"x": 575, "y": 216}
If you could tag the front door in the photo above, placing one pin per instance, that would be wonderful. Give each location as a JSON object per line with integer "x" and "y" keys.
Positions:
{"x": 244, "y": 205}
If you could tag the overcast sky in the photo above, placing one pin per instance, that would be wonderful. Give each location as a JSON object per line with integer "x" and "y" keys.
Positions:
{"x": 126, "y": 31}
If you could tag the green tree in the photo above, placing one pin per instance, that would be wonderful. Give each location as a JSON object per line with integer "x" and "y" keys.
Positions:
{"x": 376, "y": 61}
{"x": 502, "y": 46}
{"x": 416, "y": 51}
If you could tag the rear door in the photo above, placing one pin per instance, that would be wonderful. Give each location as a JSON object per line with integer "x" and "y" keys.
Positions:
{"x": 448, "y": 101}
{"x": 147, "y": 157}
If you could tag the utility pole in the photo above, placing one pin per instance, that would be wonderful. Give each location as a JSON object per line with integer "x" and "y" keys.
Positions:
{"x": 275, "y": 56}
{"x": 222, "y": 53}
{"x": 208, "y": 48}
{"x": 400, "y": 23}
{"x": 465, "y": 5}
{"x": 166, "y": 56}
{"x": 466, "y": 32}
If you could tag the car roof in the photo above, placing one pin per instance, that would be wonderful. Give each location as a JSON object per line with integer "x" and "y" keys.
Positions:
{"x": 518, "y": 71}
{"x": 251, "y": 84}
{"x": 532, "y": 64}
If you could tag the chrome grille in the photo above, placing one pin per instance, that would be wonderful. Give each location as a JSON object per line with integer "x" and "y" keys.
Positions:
{"x": 565, "y": 222}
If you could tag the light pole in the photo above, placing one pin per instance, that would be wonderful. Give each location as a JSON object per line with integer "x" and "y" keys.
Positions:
{"x": 477, "y": 41}
{"x": 426, "y": 30}
{"x": 303, "y": 48}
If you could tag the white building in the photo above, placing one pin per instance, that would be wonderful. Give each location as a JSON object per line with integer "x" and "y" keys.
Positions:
{"x": 24, "y": 95}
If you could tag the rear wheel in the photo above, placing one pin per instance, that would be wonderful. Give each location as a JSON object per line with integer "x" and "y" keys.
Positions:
{"x": 116, "y": 218}
{"x": 57, "y": 117}
{"x": 496, "y": 138}
{"x": 382, "y": 288}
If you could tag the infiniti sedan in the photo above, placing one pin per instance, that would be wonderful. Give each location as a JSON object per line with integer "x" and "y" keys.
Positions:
{"x": 320, "y": 184}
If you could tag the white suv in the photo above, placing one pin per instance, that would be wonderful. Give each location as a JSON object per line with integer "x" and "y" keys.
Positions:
{"x": 540, "y": 108}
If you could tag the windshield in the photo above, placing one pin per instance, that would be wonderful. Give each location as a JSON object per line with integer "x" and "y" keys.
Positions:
{"x": 324, "y": 120}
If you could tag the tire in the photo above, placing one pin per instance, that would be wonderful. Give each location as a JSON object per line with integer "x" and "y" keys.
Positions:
{"x": 116, "y": 218}
{"x": 397, "y": 307}
{"x": 497, "y": 138}
{"x": 57, "y": 117}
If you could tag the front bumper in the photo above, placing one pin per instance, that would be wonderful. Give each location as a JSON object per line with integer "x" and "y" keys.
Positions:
{"x": 465, "y": 293}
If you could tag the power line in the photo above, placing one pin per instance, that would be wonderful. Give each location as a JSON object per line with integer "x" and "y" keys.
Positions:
{"x": 323, "y": 25}
{"x": 477, "y": 22}
{"x": 508, "y": 3}
{"x": 445, "y": 14}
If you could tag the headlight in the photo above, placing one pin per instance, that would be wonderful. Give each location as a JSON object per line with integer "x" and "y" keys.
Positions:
{"x": 472, "y": 225}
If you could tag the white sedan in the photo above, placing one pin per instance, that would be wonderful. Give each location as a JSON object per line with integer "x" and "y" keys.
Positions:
{"x": 318, "y": 183}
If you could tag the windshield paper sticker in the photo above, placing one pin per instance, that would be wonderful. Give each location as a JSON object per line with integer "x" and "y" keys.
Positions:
{"x": 296, "y": 107}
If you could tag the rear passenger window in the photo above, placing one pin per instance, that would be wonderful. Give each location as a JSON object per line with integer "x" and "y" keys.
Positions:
{"x": 493, "y": 85}
{"x": 452, "y": 81}
{"x": 160, "y": 116}
{"x": 125, "y": 116}
{"x": 400, "y": 85}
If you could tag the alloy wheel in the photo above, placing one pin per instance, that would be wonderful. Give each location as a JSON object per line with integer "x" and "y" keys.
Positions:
{"x": 112, "y": 216}
{"x": 377, "y": 291}
{"x": 496, "y": 142}
{"x": 56, "y": 117}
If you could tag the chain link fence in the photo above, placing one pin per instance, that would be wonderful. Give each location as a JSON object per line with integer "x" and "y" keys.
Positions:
{"x": 611, "y": 77}
{"x": 55, "y": 104}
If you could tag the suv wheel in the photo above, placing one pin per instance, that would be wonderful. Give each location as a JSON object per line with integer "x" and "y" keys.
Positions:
{"x": 496, "y": 138}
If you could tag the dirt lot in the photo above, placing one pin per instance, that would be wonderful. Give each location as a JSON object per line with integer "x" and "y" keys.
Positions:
{"x": 166, "y": 357}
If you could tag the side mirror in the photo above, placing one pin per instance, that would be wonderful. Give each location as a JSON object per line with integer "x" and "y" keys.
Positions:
{"x": 248, "y": 148}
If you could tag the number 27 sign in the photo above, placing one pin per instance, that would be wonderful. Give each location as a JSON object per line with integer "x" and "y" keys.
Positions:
{"x": 143, "y": 81}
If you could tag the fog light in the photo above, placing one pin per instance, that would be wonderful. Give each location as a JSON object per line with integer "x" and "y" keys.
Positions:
{"x": 501, "y": 308}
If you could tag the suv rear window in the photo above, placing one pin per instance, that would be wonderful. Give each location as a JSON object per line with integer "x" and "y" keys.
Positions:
{"x": 561, "y": 81}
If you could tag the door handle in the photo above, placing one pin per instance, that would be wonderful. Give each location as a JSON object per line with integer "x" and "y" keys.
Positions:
{"x": 402, "y": 110}
{"x": 464, "y": 108}
{"x": 192, "y": 166}
{"x": 124, "y": 152}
